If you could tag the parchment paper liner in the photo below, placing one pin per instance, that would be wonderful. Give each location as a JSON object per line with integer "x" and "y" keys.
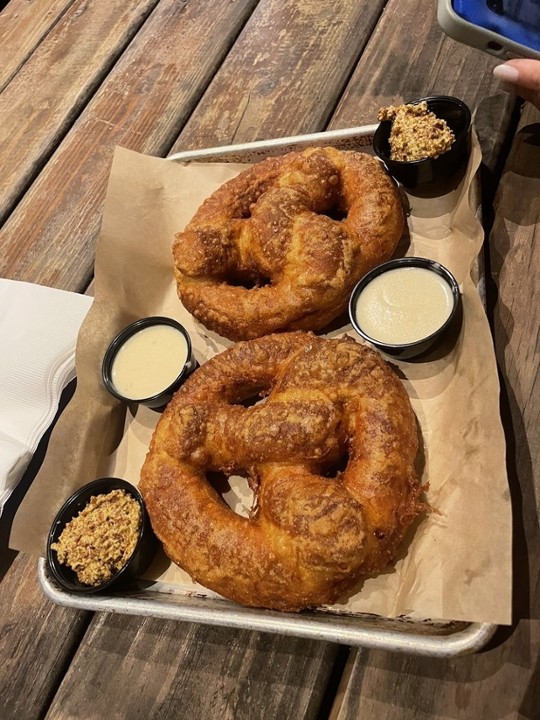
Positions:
{"x": 456, "y": 564}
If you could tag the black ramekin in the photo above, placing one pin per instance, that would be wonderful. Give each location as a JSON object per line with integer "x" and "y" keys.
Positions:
{"x": 405, "y": 351}
{"x": 160, "y": 399}
{"x": 140, "y": 559}
{"x": 433, "y": 170}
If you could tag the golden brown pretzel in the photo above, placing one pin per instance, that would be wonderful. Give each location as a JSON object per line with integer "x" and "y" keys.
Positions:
{"x": 281, "y": 246}
{"x": 312, "y": 533}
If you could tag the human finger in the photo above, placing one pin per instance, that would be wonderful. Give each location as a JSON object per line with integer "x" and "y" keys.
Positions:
{"x": 521, "y": 77}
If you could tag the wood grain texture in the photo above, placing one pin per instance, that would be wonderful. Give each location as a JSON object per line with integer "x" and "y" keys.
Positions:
{"x": 284, "y": 74}
{"x": 74, "y": 58}
{"x": 146, "y": 668}
{"x": 141, "y": 105}
{"x": 504, "y": 681}
{"x": 408, "y": 57}
{"x": 295, "y": 689}
{"x": 23, "y": 25}
{"x": 301, "y": 670}
{"x": 37, "y": 641}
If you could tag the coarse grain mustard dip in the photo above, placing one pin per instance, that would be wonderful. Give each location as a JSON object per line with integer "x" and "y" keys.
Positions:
{"x": 416, "y": 132}
{"x": 98, "y": 542}
{"x": 404, "y": 305}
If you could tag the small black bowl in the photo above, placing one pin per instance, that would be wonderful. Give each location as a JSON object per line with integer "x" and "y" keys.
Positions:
{"x": 159, "y": 400}
{"x": 140, "y": 559}
{"x": 406, "y": 351}
{"x": 435, "y": 171}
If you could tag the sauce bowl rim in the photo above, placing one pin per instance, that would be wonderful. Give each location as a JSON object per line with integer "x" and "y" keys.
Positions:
{"x": 385, "y": 126}
{"x": 120, "y": 339}
{"x": 395, "y": 263}
{"x": 100, "y": 486}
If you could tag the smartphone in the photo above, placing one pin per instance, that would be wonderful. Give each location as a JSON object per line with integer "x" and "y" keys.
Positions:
{"x": 504, "y": 28}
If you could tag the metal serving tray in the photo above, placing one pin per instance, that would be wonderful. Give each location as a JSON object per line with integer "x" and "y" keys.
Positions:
{"x": 420, "y": 637}
{"x": 443, "y": 639}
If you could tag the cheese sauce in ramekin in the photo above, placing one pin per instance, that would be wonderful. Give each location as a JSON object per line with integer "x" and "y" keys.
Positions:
{"x": 403, "y": 305}
{"x": 147, "y": 361}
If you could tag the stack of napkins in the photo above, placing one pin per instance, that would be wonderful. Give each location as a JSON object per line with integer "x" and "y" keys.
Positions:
{"x": 38, "y": 334}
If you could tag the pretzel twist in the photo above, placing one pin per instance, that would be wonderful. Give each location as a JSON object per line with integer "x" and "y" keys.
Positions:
{"x": 280, "y": 246}
{"x": 312, "y": 533}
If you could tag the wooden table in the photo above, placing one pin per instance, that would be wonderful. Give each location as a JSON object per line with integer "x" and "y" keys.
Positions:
{"x": 160, "y": 76}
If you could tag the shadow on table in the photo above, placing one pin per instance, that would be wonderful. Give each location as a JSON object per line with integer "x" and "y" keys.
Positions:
{"x": 6, "y": 520}
{"x": 519, "y": 209}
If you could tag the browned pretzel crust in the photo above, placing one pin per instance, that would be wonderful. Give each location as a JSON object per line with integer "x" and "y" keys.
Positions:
{"x": 312, "y": 533}
{"x": 281, "y": 246}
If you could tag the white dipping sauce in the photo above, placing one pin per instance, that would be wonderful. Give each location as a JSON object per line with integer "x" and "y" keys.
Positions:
{"x": 404, "y": 305}
{"x": 149, "y": 361}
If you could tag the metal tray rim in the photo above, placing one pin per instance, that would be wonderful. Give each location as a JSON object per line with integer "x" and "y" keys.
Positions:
{"x": 326, "y": 628}
{"x": 328, "y": 137}
{"x": 465, "y": 641}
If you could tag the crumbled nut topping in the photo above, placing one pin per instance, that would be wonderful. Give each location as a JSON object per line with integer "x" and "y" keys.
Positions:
{"x": 416, "y": 132}
{"x": 100, "y": 540}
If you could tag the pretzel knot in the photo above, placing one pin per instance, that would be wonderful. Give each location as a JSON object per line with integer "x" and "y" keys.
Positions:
{"x": 280, "y": 246}
{"x": 329, "y": 455}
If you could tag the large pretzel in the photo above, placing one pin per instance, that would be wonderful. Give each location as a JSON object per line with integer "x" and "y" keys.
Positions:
{"x": 313, "y": 531}
{"x": 281, "y": 246}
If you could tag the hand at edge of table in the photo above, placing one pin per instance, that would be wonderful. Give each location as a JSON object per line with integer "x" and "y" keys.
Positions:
{"x": 521, "y": 77}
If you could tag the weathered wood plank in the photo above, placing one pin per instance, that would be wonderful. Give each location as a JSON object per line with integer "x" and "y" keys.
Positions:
{"x": 297, "y": 692}
{"x": 408, "y": 57}
{"x": 23, "y": 25}
{"x": 504, "y": 681}
{"x": 299, "y": 57}
{"x": 149, "y": 95}
{"x": 303, "y": 675}
{"x": 142, "y": 105}
{"x": 37, "y": 640}
{"x": 152, "y": 669}
{"x": 75, "y": 57}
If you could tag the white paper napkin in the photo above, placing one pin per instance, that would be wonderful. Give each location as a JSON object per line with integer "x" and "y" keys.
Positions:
{"x": 38, "y": 334}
